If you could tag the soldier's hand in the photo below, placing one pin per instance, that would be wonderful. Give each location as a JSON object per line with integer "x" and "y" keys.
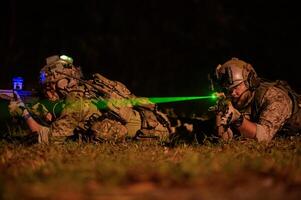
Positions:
{"x": 230, "y": 115}
{"x": 223, "y": 130}
{"x": 16, "y": 106}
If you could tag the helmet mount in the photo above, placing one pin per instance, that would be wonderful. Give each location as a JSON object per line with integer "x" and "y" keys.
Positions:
{"x": 234, "y": 72}
{"x": 59, "y": 71}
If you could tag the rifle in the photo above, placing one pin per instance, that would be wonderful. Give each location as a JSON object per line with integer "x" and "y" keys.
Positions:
{"x": 222, "y": 100}
{"x": 192, "y": 129}
{"x": 10, "y": 95}
{"x": 221, "y": 105}
{"x": 113, "y": 91}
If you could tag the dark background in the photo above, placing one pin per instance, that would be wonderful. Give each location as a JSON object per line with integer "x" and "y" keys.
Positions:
{"x": 155, "y": 47}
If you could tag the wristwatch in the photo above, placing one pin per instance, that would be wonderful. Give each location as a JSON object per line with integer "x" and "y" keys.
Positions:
{"x": 237, "y": 123}
{"x": 26, "y": 116}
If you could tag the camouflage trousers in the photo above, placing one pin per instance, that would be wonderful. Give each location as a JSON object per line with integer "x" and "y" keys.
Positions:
{"x": 113, "y": 130}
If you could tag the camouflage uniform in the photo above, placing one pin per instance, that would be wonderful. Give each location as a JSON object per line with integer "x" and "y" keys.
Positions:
{"x": 76, "y": 110}
{"x": 82, "y": 114}
{"x": 273, "y": 106}
{"x": 270, "y": 111}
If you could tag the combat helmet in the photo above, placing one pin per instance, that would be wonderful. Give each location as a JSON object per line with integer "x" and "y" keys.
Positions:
{"x": 234, "y": 72}
{"x": 59, "y": 68}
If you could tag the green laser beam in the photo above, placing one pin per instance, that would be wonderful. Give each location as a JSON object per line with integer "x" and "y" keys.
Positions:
{"x": 140, "y": 101}
{"x": 175, "y": 99}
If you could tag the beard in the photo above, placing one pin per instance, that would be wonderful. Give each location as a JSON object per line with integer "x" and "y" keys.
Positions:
{"x": 243, "y": 100}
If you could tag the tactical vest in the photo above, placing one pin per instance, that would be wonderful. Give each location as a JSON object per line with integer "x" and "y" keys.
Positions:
{"x": 151, "y": 118}
{"x": 294, "y": 122}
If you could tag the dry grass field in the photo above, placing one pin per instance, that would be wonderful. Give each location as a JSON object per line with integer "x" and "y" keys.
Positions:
{"x": 241, "y": 169}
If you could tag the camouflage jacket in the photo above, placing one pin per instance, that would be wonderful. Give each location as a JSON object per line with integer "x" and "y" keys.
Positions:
{"x": 75, "y": 111}
{"x": 274, "y": 108}
{"x": 118, "y": 113}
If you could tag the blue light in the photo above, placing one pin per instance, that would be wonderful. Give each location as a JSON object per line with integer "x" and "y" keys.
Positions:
{"x": 18, "y": 83}
{"x": 42, "y": 77}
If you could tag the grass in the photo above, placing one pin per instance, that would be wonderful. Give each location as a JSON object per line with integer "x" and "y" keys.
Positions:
{"x": 242, "y": 169}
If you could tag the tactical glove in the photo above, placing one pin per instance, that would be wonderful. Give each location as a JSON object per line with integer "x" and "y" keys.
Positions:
{"x": 223, "y": 130}
{"x": 231, "y": 116}
{"x": 16, "y": 106}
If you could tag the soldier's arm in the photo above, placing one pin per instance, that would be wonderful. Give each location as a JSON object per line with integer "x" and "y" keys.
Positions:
{"x": 277, "y": 108}
{"x": 75, "y": 112}
{"x": 69, "y": 119}
{"x": 248, "y": 128}
{"x": 33, "y": 125}
{"x": 61, "y": 127}
{"x": 244, "y": 125}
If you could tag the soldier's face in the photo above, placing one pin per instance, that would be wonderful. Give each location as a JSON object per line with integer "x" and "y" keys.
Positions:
{"x": 238, "y": 90}
{"x": 51, "y": 95}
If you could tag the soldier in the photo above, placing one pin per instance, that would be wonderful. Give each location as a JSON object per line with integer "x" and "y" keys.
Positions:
{"x": 253, "y": 107}
{"x": 97, "y": 109}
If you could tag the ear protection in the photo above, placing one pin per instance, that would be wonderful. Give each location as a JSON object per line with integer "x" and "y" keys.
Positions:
{"x": 252, "y": 81}
{"x": 236, "y": 71}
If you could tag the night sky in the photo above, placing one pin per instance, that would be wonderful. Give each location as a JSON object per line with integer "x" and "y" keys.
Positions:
{"x": 155, "y": 47}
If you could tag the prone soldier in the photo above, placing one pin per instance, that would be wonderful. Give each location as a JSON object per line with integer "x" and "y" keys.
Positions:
{"x": 254, "y": 107}
{"x": 98, "y": 109}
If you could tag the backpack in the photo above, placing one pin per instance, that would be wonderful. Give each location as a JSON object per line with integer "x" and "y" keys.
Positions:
{"x": 116, "y": 98}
